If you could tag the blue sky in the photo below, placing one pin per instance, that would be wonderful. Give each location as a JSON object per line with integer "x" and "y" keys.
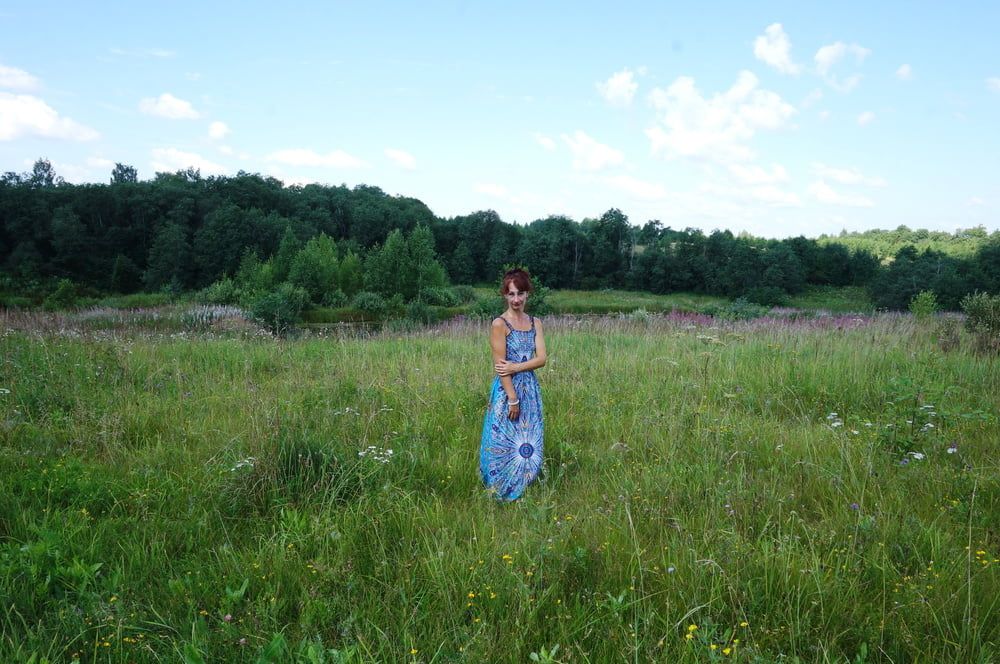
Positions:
{"x": 777, "y": 118}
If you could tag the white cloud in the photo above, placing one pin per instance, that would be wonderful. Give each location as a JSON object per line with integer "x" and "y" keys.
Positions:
{"x": 17, "y": 79}
{"x": 824, "y": 115}
{"x": 716, "y": 128}
{"x": 545, "y": 142}
{"x": 169, "y": 160}
{"x": 823, "y": 193}
{"x": 773, "y": 47}
{"x": 827, "y": 56}
{"x": 490, "y": 189}
{"x": 100, "y": 162}
{"x": 993, "y": 84}
{"x": 168, "y": 106}
{"x": 758, "y": 175}
{"x": 619, "y": 90}
{"x": 904, "y": 73}
{"x": 775, "y": 197}
{"x": 225, "y": 149}
{"x": 303, "y": 157}
{"x": 636, "y": 187}
{"x": 866, "y": 118}
{"x": 25, "y": 115}
{"x": 218, "y": 130}
{"x": 401, "y": 158}
{"x": 589, "y": 155}
{"x": 846, "y": 175}
{"x": 811, "y": 98}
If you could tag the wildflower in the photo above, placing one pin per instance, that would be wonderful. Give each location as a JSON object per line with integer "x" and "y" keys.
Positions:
{"x": 855, "y": 507}
{"x": 671, "y": 569}
{"x": 952, "y": 448}
{"x": 242, "y": 641}
{"x": 413, "y": 651}
{"x": 744, "y": 624}
{"x": 227, "y": 618}
{"x": 692, "y": 628}
{"x": 714, "y": 647}
{"x": 919, "y": 456}
{"x": 689, "y": 636}
{"x": 726, "y": 651}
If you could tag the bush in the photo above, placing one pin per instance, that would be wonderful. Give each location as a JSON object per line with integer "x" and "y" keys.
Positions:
{"x": 982, "y": 312}
{"x": 335, "y": 299}
{"x": 223, "y": 291}
{"x": 738, "y": 309}
{"x": 464, "y": 294}
{"x": 280, "y": 309}
{"x": 439, "y": 296}
{"x": 767, "y": 296}
{"x": 419, "y": 312}
{"x": 370, "y": 303}
{"x": 924, "y": 304}
{"x": 63, "y": 297}
{"x": 486, "y": 308}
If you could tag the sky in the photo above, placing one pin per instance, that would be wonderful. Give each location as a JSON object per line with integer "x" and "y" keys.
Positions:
{"x": 773, "y": 118}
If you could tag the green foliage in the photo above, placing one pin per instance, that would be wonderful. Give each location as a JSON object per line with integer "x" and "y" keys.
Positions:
{"x": 223, "y": 291}
{"x": 315, "y": 269}
{"x": 351, "y": 276}
{"x": 767, "y": 296}
{"x": 464, "y": 294}
{"x": 924, "y": 304}
{"x": 982, "y": 312}
{"x": 738, "y": 309}
{"x": 280, "y": 309}
{"x": 63, "y": 297}
{"x": 370, "y": 303}
{"x": 170, "y": 258}
{"x": 288, "y": 248}
{"x": 440, "y": 297}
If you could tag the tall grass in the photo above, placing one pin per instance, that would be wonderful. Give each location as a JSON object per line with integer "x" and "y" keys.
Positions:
{"x": 757, "y": 491}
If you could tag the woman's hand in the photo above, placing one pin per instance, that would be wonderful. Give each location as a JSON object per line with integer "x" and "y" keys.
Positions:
{"x": 505, "y": 368}
{"x": 513, "y": 411}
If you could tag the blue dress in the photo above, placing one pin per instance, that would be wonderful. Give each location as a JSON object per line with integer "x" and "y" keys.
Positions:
{"x": 510, "y": 453}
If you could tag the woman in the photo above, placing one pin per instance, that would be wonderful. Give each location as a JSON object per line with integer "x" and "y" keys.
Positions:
{"x": 510, "y": 452}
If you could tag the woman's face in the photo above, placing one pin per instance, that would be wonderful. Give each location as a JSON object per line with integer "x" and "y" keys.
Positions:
{"x": 515, "y": 297}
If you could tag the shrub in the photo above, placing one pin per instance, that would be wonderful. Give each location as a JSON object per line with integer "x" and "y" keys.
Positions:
{"x": 63, "y": 297}
{"x": 370, "y": 303}
{"x": 223, "y": 291}
{"x": 439, "y": 296}
{"x": 335, "y": 299}
{"x": 464, "y": 294}
{"x": 924, "y": 304}
{"x": 486, "y": 308}
{"x": 738, "y": 309}
{"x": 281, "y": 308}
{"x": 982, "y": 312}
{"x": 420, "y": 312}
{"x": 768, "y": 296}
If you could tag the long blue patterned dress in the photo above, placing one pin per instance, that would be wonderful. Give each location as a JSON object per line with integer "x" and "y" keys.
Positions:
{"x": 510, "y": 453}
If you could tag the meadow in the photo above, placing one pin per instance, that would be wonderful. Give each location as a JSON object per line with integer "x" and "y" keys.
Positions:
{"x": 820, "y": 489}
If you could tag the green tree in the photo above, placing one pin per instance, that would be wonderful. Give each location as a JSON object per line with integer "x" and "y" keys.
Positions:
{"x": 69, "y": 243}
{"x": 352, "y": 276}
{"x": 124, "y": 174}
{"x": 315, "y": 268}
{"x": 169, "y": 261}
{"x": 290, "y": 246}
{"x": 386, "y": 267}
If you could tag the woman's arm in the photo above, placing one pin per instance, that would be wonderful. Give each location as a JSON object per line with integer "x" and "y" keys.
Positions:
{"x": 504, "y": 368}
{"x": 498, "y": 344}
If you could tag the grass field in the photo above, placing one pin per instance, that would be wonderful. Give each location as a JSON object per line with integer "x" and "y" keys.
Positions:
{"x": 815, "y": 490}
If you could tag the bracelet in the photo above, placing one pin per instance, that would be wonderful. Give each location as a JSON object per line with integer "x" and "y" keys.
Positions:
{"x": 513, "y": 403}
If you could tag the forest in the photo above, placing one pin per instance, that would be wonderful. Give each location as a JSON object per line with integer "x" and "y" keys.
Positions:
{"x": 331, "y": 245}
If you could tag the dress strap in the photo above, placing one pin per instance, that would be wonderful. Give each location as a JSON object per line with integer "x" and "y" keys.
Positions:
{"x": 532, "y": 321}
{"x": 509, "y": 327}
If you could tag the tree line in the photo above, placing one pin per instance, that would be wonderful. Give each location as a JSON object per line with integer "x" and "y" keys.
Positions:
{"x": 182, "y": 232}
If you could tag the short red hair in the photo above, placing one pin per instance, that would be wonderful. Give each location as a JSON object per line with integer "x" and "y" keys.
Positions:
{"x": 520, "y": 278}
